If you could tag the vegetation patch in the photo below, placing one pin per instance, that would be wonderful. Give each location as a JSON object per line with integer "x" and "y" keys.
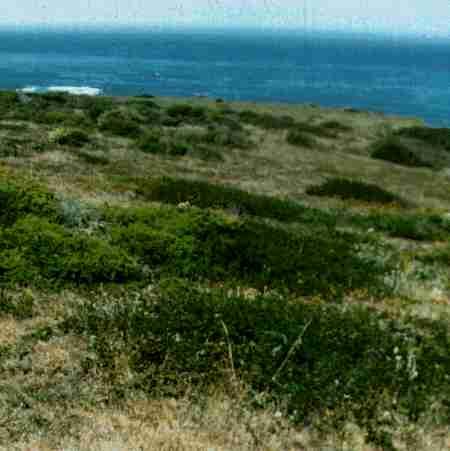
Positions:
{"x": 414, "y": 226}
{"x": 69, "y": 137}
{"x": 21, "y": 198}
{"x": 266, "y": 121}
{"x": 208, "y": 195}
{"x": 204, "y": 246}
{"x": 35, "y": 250}
{"x": 356, "y": 190}
{"x": 436, "y": 137}
{"x": 300, "y": 139}
{"x": 119, "y": 123}
{"x": 393, "y": 150}
{"x": 320, "y": 359}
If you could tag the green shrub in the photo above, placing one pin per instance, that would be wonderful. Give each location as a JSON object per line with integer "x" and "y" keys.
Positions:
{"x": 207, "y": 195}
{"x": 19, "y": 305}
{"x": 200, "y": 245}
{"x": 153, "y": 141}
{"x": 92, "y": 158}
{"x": 393, "y": 150}
{"x": 351, "y": 361}
{"x": 357, "y": 190}
{"x": 187, "y": 113}
{"x": 335, "y": 125}
{"x": 35, "y": 250}
{"x": 69, "y": 137}
{"x": 300, "y": 138}
{"x": 21, "y": 198}
{"x": 68, "y": 119}
{"x": 95, "y": 106}
{"x": 120, "y": 123}
{"x": 439, "y": 137}
{"x": 225, "y": 137}
{"x": 266, "y": 120}
{"x": 412, "y": 226}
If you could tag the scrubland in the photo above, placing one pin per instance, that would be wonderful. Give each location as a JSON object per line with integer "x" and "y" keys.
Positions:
{"x": 194, "y": 274}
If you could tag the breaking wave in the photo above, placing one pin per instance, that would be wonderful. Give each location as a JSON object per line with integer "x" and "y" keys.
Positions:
{"x": 75, "y": 90}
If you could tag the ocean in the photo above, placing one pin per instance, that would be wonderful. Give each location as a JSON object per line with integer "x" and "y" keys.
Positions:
{"x": 402, "y": 76}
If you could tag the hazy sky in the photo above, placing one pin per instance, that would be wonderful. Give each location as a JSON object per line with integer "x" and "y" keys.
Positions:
{"x": 422, "y": 16}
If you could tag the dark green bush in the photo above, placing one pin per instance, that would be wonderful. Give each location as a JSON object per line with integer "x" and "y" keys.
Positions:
{"x": 439, "y": 137}
{"x": 412, "y": 226}
{"x": 226, "y": 137}
{"x": 69, "y": 137}
{"x": 207, "y": 195}
{"x": 35, "y": 250}
{"x": 300, "y": 138}
{"x": 350, "y": 360}
{"x": 92, "y": 158}
{"x": 120, "y": 123}
{"x": 200, "y": 245}
{"x": 357, "y": 190}
{"x": 393, "y": 150}
{"x": 187, "y": 113}
{"x": 153, "y": 141}
{"x": 266, "y": 120}
{"x": 18, "y": 199}
{"x": 68, "y": 119}
{"x": 335, "y": 125}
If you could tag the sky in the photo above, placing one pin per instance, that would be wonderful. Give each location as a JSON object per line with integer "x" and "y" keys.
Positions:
{"x": 426, "y": 17}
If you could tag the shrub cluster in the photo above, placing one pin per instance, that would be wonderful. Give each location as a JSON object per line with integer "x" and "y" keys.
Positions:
{"x": 438, "y": 137}
{"x": 357, "y": 190}
{"x": 35, "y": 250}
{"x": 69, "y": 137}
{"x": 200, "y": 245}
{"x": 186, "y": 113}
{"x": 393, "y": 150}
{"x": 119, "y": 123}
{"x": 412, "y": 226}
{"x": 266, "y": 120}
{"x": 300, "y": 139}
{"x": 23, "y": 198}
{"x": 208, "y": 195}
{"x": 351, "y": 360}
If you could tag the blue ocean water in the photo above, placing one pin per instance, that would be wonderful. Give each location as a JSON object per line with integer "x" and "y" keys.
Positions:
{"x": 396, "y": 76}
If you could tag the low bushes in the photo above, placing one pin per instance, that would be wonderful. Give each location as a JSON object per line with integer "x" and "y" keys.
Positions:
{"x": 438, "y": 137}
{"x": 356, "y": 190}
{"x": 186, "y": 113}
{"x": 35, "y": 250}
{"x": 119, "y": 123}
{"x": 266, "y": 120}
{"x": 69, "y": 137}
{"x": 420, "y": 227}
{"x": 21, "y": 198}
{"x": 300, "y": 139}
{"x": 393, "y": 150}
{"x": 207, "y": 195}
{"x": 200, "y": 245}
{"x": 349, "y": 361}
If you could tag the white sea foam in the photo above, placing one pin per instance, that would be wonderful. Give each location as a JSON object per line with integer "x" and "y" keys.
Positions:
{"x": 75, "y": 90}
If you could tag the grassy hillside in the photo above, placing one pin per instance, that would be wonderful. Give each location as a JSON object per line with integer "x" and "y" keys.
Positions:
{"x": 194, "y": 274}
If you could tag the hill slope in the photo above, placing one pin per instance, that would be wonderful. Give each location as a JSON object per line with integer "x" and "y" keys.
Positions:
{"x": 284, "y": 268}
